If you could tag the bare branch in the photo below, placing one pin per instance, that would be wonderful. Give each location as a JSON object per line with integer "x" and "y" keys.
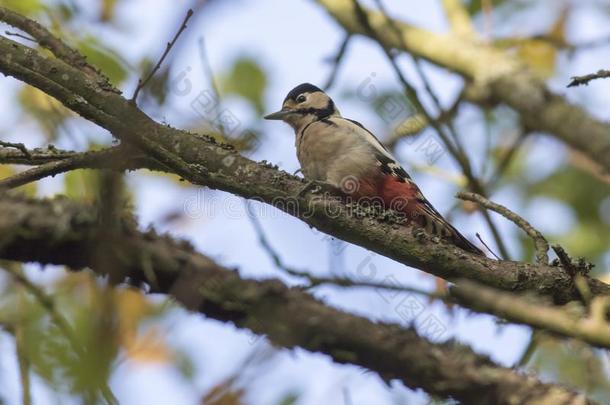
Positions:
{"x": 170, "y": 45}
{"x": 580, "y": 80}
{"x": 542, "y": 246}
{"x": 47, "y": 40}
{"x": 19, "y": 146}
{"x": 55, "y": 162}
{"x": 336, "y": 62}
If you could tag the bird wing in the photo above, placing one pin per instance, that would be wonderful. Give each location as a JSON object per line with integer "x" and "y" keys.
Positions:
{"x": 400, "y": 192}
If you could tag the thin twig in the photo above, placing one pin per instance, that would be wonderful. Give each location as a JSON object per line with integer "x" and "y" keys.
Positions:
{"x": 209, "y": 73}
{"x": 579, "y": 80}
{"x": 441, "y": 111}
{"x": 19, "y": 146}
{"x": 486, "y": 247}
{"x": 47, "y": 40}
{"x": 18, "y": 35}
{"x": 262, "y": 238}
{"x": 507, "y": 158}
{"x": 573, "y": 268}
{"x": 93, "y": 159}
{"x": 128, "y": 158}
{"x": 336, "y": 61}
{"x": 542, "y": 246}
{"x": 315, "y": 281}
{"x": 42, "y": 171}
{"x": 170, "y": 45}
{"x": 207, "y": 67}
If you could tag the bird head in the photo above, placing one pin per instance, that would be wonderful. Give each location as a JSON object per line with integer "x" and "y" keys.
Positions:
{"x": 304, "y": 104}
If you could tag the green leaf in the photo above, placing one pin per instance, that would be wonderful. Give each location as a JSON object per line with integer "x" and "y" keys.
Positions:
{"x": 104, "y": 58}
{"x": 25, "y": 7}
{"x": 81, "y": 185}
{"x": 246, "y": 79}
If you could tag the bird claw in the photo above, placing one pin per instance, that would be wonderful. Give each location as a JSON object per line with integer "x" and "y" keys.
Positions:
{"x": 313, "y": 185}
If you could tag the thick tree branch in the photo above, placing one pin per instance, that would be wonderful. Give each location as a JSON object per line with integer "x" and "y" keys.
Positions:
{"x": 506, "y": 79}
{"x": 202, "y": 161}
{"x": 60, "y": 232}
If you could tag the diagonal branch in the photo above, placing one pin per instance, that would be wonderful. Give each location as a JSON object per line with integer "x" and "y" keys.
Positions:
{"x": 542, "y": 246}
{"x": 61, "y": 232}
{"x": 169, "y": 46}
{"x": 579, "y": 80}
{"x": 56, "y": 162}
{"x": 47, "y": 40}
{"x": 593, "y": 329}
{"x": 201, "y": 160}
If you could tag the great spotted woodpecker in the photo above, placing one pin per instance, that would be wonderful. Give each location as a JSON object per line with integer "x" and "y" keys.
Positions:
{"x": 344, "y": 154}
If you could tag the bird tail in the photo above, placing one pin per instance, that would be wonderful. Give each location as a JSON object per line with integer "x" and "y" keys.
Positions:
{"x": 434, "y": 223}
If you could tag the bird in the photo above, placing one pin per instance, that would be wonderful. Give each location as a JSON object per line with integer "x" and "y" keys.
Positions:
{"x": 342, "y": 153}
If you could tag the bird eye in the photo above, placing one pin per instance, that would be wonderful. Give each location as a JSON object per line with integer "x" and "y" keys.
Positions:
{"x": 301, "y": 98}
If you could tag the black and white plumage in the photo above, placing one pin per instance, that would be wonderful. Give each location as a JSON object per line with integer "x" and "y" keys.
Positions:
{"x": 343, "y": 153}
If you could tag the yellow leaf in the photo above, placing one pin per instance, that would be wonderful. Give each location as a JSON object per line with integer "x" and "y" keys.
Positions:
{"x": 132, "y": 307}
{"x": 150, "y": 347}
{"x": 8, "y": 171}
{"x": 539, "y": 55}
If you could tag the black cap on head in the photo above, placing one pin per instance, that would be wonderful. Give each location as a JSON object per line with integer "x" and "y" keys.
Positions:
{"x": 301, "y": 88}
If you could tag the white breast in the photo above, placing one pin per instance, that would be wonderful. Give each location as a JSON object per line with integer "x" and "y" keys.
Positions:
{"x": 333, "y": 149}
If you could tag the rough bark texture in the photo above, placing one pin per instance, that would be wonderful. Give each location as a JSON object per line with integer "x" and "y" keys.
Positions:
{"x": 202, "y": 161}
{"x": 61, "y": 232}
{"x": 501, "y": 74}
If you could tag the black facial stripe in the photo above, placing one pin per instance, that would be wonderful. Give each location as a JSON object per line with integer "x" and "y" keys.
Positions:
{"x": 318, "y": 112}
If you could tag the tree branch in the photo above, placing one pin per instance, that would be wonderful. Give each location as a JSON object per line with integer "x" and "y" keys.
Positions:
{"x": 593, "y": 329}
{"x": 47, "y": 40}
{"x": 542, "y": 246}
{"x": 61, "y": 232}
{"x": 579, "y": 80}
{"x": 201, "y": 160}
{"x": 53, "y": 162}
{"x": 169, "y": 46}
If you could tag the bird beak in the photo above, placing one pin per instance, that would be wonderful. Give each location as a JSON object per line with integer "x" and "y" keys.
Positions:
{"x": 278, "y": 115}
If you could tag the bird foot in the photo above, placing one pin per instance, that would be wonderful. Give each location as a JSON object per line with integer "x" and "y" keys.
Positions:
{"x": 313, "y": 185}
